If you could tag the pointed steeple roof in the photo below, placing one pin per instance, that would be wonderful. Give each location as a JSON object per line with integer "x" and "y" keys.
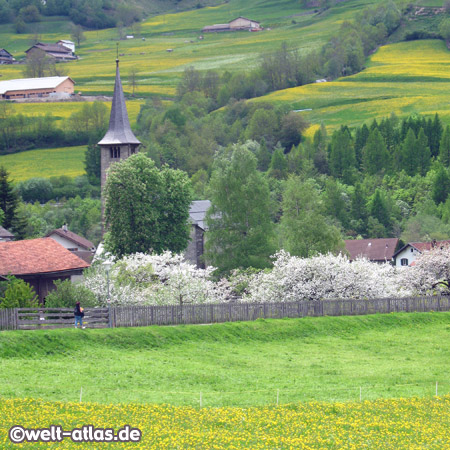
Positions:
{"x": 119, "y": 131}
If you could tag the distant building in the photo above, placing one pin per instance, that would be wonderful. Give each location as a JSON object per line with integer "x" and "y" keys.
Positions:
{"x": 242, "y": 23}
{"x": 5, "y": 235}
{"x": 68, "y": 44}
{"x": 196, "y": 247}
{"x": 238, "y": 24}
{"x": 78, "y": 245}
{"x": 56, "y": 51}
{"x": 36, "y": 87}
{"x": 6, "y": 57}
{"x": 408, "y": 254}
{"x": 39, "y": 262}
{"x": 375, "y": 250}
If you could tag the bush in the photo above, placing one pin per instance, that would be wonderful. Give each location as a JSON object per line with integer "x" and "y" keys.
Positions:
{"x": 17, "y": 294}
{"x": 67, "y": 294}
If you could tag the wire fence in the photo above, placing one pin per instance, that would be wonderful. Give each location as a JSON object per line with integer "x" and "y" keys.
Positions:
{"x": 271, "y": 396}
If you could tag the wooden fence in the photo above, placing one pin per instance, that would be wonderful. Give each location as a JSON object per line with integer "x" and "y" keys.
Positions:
{"x": 49, "y": 318}
{"x": 138, "y": 316}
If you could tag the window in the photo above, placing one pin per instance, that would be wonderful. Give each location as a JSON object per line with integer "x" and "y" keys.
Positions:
{"x": 404, "y": 261}
{"x": 114, "y": 152}
{"x": 412, "y": 250}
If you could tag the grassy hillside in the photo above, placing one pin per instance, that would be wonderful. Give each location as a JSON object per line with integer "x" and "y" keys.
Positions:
{"x": 404, "y": 78}
{"x": 405, "y": 424}
{"x": 160, "y": 70}
{"x": 47, "y": 163}
{"x": 242, "y": 364}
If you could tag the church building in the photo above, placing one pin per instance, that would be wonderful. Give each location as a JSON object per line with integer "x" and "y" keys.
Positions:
{"x": 119, "y": 141}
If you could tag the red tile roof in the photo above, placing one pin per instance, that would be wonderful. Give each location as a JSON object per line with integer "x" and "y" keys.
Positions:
{"x": 71, "y": 236}
{"x": 372, "y": 249}
{"x": 34, "y": 256}
{"x": 423, "y": 246}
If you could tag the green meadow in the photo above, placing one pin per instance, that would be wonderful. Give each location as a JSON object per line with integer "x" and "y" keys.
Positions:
{"x": 404, "y": 78}
{"x": 63, "y": 110}
{"x": 239, "y": 364}
{"x": 45, "y": 163}
{"x": 159, "y": 70}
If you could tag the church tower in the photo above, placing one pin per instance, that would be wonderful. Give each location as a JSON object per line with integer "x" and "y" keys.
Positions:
{"x": 119, "y": 141}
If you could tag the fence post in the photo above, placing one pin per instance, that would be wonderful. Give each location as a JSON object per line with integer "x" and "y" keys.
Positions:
{"x": 16, "y": 319}
{"x": 110, "y": 317}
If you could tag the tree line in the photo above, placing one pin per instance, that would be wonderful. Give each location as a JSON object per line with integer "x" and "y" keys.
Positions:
{"x": 20, "y": 132}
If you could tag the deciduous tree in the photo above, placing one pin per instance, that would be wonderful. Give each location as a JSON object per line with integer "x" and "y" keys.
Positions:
{"x": 146, "y": 209}
{"x": 240, "y": 230}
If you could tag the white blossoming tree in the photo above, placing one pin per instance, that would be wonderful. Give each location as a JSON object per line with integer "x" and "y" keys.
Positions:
{"x": 430, "y": 273}
{"x": 143, "y": 279}
{"x": 324, "y": 277}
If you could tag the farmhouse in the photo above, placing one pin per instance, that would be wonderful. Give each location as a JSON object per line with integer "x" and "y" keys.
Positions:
{"x": 409, "y": 253}
{"x": 375, "y": 250}
{"x": 78, "y": 245}
{"x": 36, "y": 87}
{"x": 6, "y": 57}
{"x": 69, "y": 44}
{"x": 56, "y": 51}
{"x": 39, "y": 262}
{"x": 238, "y": 24}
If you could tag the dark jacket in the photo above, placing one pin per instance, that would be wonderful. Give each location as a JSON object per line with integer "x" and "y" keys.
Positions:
{"x": 77, "y": 311}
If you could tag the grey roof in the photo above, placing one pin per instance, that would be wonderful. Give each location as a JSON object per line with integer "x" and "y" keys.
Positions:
{"x": 119, "y": 131}
{"x": 197, "y": 212}
{"x": 5, "y": 234}
{"x": 23, "y": 84}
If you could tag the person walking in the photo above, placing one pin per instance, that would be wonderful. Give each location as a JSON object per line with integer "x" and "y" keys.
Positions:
{"x": 78, "y": 312}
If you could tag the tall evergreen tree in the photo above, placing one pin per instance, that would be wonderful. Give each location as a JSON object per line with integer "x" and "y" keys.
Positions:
{"x": 342, "y": 155}
{"x": 9, "y": 200}
{"x": 444, "y": 147}
{"x": 359, "y": 209}
{"x": 375, "y": 154}
{"x": 435, "y": 136}
{"x": 423, "y": 154}
{"x": 361, "y": 137}
{"x": 408, "y": 157}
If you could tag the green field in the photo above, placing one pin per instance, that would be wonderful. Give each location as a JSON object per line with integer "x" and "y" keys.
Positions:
{"x": 284, "y": 21}
{"x": 47, "y": 163}
{"x": 233, "y": 364}
{"x": 404, "y": 78}
{"x": 63, "y": 110}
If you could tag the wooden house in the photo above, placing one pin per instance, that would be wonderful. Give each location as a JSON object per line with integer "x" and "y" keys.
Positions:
{"x": 78, "y": 245}
{"x": 57, "y": 52}
{"x": 407, "y": 255}
{"x": 375, "y": 250}
{"x": 238, "y": 24}
{"x": 39, "y": 262}
{"x": 242, "y": 23}
{"x": 6, "y": 57}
